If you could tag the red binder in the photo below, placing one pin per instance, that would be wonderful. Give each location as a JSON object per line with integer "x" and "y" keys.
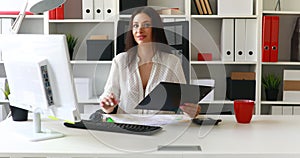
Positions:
{"x": 60, "y": 12}
{"x": 274, "y": 39}
{"x": 266, "y": 38}
{"x": 14, "y": 13}
{"x": 52, "y": 14}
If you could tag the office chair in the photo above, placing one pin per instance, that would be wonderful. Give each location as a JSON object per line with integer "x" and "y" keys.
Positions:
{"x": 177, "y": 35}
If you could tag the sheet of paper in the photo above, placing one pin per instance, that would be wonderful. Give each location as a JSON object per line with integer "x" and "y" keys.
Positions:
{"x": 154, "y": 119}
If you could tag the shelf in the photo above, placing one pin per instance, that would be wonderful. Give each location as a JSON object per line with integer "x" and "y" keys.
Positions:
{"x": 89, "y": 62}
{"x": 279, "y": 103}
{"x": 222, "y": 62}
{"x": 81, "y": 21}
{"x": 162, "y": 16}
{"x": 281, "y": 12}
{"x": 216, "y": 102}
{"x": 4, "y": 101}
{"x": 283, "y": 63}
{"x": 223, "y": 17}
{"x": 26, "y": 17}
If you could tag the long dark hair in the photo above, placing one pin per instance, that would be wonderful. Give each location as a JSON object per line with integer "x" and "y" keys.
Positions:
{"x": 158, "y": 33}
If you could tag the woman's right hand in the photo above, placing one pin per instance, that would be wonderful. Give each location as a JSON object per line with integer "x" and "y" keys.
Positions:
{"x": 108, "y": 103}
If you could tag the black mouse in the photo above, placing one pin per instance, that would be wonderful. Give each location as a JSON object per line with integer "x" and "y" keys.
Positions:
{"x": 97, "y": 116}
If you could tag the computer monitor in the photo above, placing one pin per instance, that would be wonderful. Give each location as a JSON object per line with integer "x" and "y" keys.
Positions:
{"x": 40, "y": 79}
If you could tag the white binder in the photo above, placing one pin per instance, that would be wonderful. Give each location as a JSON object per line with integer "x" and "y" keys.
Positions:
{"x": 276, "y": 110}
{"x": 287, "y": 110}
{"x": 179, "y": 32}
{"x": 87, "y": 9}
{"x": 98, "y": 9}
{"x": 296, "y": 110}
{"x": 0, "y": 26}
{"x": 6, "y": 25}
{"x": 251, "y": 37}
{"x": 239, "y": 42}
{"x": 171, "y": 31}
{"x": 227, "y": 39}
{"x": 110, "y": 8}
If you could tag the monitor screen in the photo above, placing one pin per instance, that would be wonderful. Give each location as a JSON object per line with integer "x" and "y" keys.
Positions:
{"x": 39, "y": 75}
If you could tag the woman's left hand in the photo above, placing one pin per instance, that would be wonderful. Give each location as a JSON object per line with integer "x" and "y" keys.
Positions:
{"x": 191, "y": 109}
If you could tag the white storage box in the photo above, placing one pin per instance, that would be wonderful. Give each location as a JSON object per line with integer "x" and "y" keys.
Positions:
{"x": 83, "y": 88}
{"x": 291, "y": 85}
{"x": 2, "y": 88}
{"x": 3, "y": 112}
{"x": 206, "y": 82}
{"x": 235, "y": 7}
{"x": 90, "y": 109}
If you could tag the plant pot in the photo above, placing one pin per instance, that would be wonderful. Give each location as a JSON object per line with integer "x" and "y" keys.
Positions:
{"x": 18, "y": 114}
{"x": 271, "y": 94}
{"x": 71, "y": 51}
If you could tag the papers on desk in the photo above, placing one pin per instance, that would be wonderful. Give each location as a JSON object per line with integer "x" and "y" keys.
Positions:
{"x": 153, "y": 120}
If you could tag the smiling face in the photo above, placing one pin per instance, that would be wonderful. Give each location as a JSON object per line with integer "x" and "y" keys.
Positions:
{"x": 142, "y": 28}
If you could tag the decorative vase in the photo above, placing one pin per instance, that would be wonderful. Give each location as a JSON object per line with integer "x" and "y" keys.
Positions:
{"x": 18, "y": 114}
{"x": 271, "y": 94}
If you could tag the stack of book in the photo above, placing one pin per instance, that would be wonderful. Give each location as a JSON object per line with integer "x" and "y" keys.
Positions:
{"x": 203, "y": 7}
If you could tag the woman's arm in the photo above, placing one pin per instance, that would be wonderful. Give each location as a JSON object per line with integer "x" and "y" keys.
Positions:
{"x": 110, "y": 97}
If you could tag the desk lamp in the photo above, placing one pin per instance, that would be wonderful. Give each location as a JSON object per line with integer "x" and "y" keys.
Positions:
{"x": 36, "y": 6}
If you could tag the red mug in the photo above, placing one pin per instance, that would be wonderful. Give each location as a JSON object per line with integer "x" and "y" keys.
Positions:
{"x": 243, "y": 110}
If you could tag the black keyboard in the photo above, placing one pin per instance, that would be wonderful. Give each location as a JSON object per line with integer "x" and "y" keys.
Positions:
{"x": 115, "y": 127}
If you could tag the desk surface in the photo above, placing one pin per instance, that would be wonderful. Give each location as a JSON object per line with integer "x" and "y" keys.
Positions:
{"x": 265, "y": 136}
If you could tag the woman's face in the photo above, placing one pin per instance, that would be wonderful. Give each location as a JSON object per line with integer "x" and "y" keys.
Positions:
{"x": 142, "y": 28}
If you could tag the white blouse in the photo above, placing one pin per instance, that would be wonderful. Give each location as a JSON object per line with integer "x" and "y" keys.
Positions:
{"x": 126, "y": 84}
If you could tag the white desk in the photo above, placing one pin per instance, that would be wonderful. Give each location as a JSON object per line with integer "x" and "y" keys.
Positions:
{"x": 266, "y": 136}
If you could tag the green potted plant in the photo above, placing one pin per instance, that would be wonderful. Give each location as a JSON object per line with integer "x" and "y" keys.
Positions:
{"x": 17, "y": 114}
{"x": 271, "y": 84}
{"x": 72, "y": 41}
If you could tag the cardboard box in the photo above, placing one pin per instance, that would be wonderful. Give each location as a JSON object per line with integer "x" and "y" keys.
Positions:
{"x": 240, "y": 89}
{"x": 235, "y": 7}
{"x": 291, "y": 85}
{"x": 100, "y": 50}
{"x": 170, "y": 11}
{"x": 242, "y": 75}
{"x": 83, "y": 88}
{"x": 206, "y": 82}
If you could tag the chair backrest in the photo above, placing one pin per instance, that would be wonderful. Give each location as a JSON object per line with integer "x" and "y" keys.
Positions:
{"x": 177, "y": 35}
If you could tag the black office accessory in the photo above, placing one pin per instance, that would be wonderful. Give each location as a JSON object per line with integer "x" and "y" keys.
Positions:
{"x": 168, "y": 96}
{"x": 115, "y": 127}
{"x": 240, "y": 89}
{"x": 206, "y": 121}
{"x": 97, "y": 116}
{"x": 99, "y": 49}
{"x": 129, "y": 6}
{"x": 179, "y": 148}
{"x": 178, "y": 40}
{"x": 295, "y": 42}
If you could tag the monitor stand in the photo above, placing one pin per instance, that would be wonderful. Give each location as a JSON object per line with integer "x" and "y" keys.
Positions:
{"x": 36, "y": 133}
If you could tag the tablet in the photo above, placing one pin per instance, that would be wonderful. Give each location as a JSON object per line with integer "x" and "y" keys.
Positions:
{"x": 168, "y": 96}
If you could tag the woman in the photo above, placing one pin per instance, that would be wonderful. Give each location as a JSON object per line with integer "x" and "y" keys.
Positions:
{"x": 146, "y": 62}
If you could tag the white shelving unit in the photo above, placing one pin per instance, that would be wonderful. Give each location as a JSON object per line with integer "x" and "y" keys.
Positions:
{"x": 287, "y": 20}
{"x": 204, "y": 36}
